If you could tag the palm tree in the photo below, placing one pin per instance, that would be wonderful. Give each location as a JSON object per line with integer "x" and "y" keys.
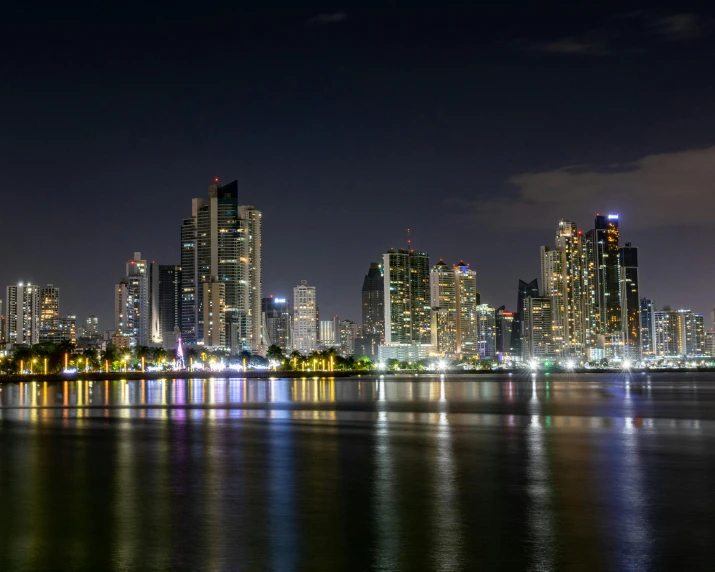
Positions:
{"x": 274, "y": 353}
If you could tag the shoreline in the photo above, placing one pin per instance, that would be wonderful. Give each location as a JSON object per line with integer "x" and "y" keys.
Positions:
{"x": 265, "y": 374}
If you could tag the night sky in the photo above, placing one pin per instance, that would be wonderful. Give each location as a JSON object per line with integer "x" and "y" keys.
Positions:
{"x": 477, "y": 126}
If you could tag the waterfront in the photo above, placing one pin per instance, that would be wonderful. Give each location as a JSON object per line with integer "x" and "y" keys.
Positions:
{"x": 569, "y": 472}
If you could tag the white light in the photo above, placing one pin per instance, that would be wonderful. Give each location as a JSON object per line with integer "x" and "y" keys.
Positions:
{"x": 441, "y": 364}
{"x": 627, "y": 364}
{"x": 570, "y": 364}
{"x": 534, "y": 364}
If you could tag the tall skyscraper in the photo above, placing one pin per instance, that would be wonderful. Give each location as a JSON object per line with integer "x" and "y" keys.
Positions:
{"x": 222, "y": 242}
{"x": 486, "y": 332}
{"x": 305, "y": 318}
{"x": 138, "y": 302}
{"x": 667, "y": 334}
{"x": 553, "y": 285}
{"x": 22, "y": 321}
{"x": 504, "y": 323}
{"x": 373, "y": 303}
{"x": 443, "y": 287}
{"x": 630, "y": 302}
{"x": 526, "y": 289}
{"x": 166, "y": 296}
{"x": 537, "y": 343}
{"x": 647, "y": 325}
{"x": 603, "y": 301}
{"x": 50, "y": 314}
{"x": 348, "y": 335}
{"x": 469, "y": 327}
{"x": 407, "y": 297}
{"x": 277, "y": 323}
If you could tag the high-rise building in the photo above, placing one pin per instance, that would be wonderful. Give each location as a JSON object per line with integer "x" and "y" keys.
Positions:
{"x": 123, "y": 318}
{"x": 603, "y": 300}
{"x": 710, "y": 343}
{"x": 166, "y": 297}
{"x": 667, "y": 333}
{"x": 630, "y": 302}
{"x": 692, "y": 333}
{"x": 553, "y": 286}
{"x": 407, "y": 297}
{"x": 214, "y": 308}
{"x": 647, "y": 325}
{"x": 504, "y": 324}
{"x": 469, "y": 342}
{"x": 138, "y": 302}
{"x": 373, "y": 302}
{"x": 537, "y": 342}
{"x": 486, "y": 332}
{"x": 277, "y": 323}
{"x": 222, "y": 242}
{"x": 67, "y": 330}
{"x": 443, "y": 287}
{"x": 22, "y": 321}
{"x": 305, "y": 318}
{"x": 50, "y": 315}
{"x": 348, "y": 335}
{"x": 91, "y": 328}
{"x": 526, "y": 289}
{"x": 327, "y": 336}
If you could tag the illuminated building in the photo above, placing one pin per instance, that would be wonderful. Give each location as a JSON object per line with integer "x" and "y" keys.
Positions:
{"x": 525, "y": 289}
{"x": 123, "y": 317}
{"x": 553, "y": 287}
{"x": 67, "y": 329}
{"x": 407, "y": 297}
{"x": 647, "y": 334}
{"x": 137, "y": 300}
{"x": 603, "y": 300}
{"x": 537, "y": 328}
{"x": 373, "y": 311}
{"x": 327, "y": 332}
{"x": 710, "y": 343}
{"x": 305, "y": 318}
{"x": 22, "y": 321}
{"x": 91, "y": 328}
{"x": 277, "y": 323}
{"x": 504, "y": 324}
{"x": 692, "y": 333}
{"x": 222, "y": 241}
{"x": 348, "y": 335}
{"x": 49, "y": 307}
{"x": 630, "y": 302}
{"x": 443, "y": 287}
{"x": 486, "y": 332}
{"x": 166, "y": 299}
{"x": 666, "y": 330}
{"x": 214, "y": 308}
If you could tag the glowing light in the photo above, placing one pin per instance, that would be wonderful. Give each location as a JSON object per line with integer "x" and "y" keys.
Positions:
{"x": 441, "y": 364}
{"x": 627, "y": 364}
{"x": 570, "y": 364}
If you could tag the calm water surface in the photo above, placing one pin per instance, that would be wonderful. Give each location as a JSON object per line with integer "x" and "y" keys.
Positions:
{"x": 587, "y": 472}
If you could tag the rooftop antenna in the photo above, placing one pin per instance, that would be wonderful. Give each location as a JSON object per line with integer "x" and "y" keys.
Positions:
{"x": 409, "y": 241}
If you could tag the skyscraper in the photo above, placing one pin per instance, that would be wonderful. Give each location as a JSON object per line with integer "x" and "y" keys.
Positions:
{"x": 443, "y": 287}
{"x": 525, "y": 289}
{"x": 167, "y": 296}
{"x": 667, "y": 334}
{"x": 22, "y": 322}
{"x": 138, "y": 302}
{"x": 214, "y": 309}
{"x": 222, "y": 242}
{"x": 277, "y": 323}
{"x": 630, "y": 302}
{"x": 537, "y": 342}
{"x": 486, "y": 332}
{"x": 305, "y": 318}
{"x": 647, "y": 333}
{"x": 407, "y": 297}
{"x": 504, "y": 323}
{"x": 348, "y": 335}
{"x": 469, "y": 327}
{"x": 50, "y": 314}
{"x": 373, "y": 303}
{"x": 603, "y": 274}
{"x": 553, "y": 285}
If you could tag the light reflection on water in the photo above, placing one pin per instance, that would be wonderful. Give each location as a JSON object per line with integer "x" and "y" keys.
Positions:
{"x": 533, "y": 473}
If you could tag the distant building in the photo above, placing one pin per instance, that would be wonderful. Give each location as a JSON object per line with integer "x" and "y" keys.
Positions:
{"x": 277, "y": 323}
{"x": 630, "y": 302}
{"x": 504, "y": 324}
{"x": 373, "y": 302}
{"x": 22, "y": 323}
{"x": 486, "y": 331}
{"x": 327, "y": 337}
{"x": 667, "y": 334}
{"x": 537, "y": 328}
{"x": 443, "y": 288}
{"x": 305, "y": 318}
{"x": 526, "y": 289}
{"x": 647, "y": 328}
{"x": 348, "y": 335}
{"x": 167, "y": 301}
{"x": 407, "y": 297}
{"x": 214, "y": 308}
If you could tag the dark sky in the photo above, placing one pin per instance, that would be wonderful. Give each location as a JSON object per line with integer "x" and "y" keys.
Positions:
{"x": 477, "y": 125}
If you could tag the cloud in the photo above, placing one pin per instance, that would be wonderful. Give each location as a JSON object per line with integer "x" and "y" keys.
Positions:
{"x": 667, "y": 189}
{"x": 321, "y": 19}
{"x": 684, "y": 26}
{"x": 572, "y": 45}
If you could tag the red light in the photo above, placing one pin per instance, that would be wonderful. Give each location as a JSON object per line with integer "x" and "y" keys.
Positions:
{"x": 216, "y": 179}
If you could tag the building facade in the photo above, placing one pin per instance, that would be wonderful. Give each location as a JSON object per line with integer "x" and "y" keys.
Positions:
{"x": 630, "y": 302}
{"x": 537, "y": 342}
{"x": 277, "y": 323}
{"x": 22, "y": 318}
{"x": 486, "y": 332}
{"x": 407, "y": 297}
{"x": 305, "y": 318}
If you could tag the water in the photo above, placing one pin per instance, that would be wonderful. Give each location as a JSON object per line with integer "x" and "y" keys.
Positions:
{"x": 565, "y": 472}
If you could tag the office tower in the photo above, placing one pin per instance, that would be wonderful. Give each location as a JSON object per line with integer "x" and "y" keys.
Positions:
{"x": 504, "y": 323}
{"x": 123, "y": 318}
{"x": 603, "y": 274}
{"x": 647, "y": 324}
{"x": 166, "y": 298}
{"x": 348, "y": 335}
{"x": 525, "y": 289}
{"x": 373, "y": 302}
{"x": 667, "y": 333}
{"x": 222, "y": 242}
{"x": 327, "y": 333}
{"x": 22, "y": 321}
{"x": 214, "y": 308}
{"x": 630, "y": 302}
{"x": 91, "y": 327}
{"x": 305, "y": 318}
{"x": 407, "y": 297}
{"x": 138, "y": 301}
{"x": 486, "y": 332}
{"x": 537, "y": 342}
{"x": 443, "y": 292}
{"x": 277, "y": 323}
{"x": 692, "y": 334}
{"x": 553, "y": 286}
{"x": 467, "y": 296}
